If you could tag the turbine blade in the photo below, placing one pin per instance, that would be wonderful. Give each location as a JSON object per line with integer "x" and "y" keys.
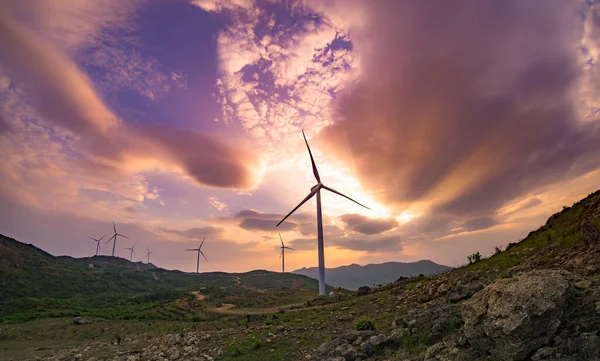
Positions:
{"x": 195, "y": 249}
{"x": 122, "y": 235}
{"x": 289, "y": 248}
{"x": 345, "y": 196}
{"x": 314, "y": 166}
{"x": 281, "y": 240}
{"x": 101, "y": 238}
{"x": 114, "y": 227}
{"x": 309, "y": 196}
{"x": 93, "y": 239}
{"x": 203, "y": 255}
{"x": 111, "y": 238}
{"x": 134, "y": 245}
{"x": 203, "y": 239}
{"x": 280, "y": 253}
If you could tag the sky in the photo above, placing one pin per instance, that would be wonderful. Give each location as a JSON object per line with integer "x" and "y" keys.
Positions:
{"x": 462, "y": 124}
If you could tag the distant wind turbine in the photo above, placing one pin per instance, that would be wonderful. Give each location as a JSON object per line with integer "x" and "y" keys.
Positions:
{"x": 115, "y": 238}
{"x": 148, "y": 254}
{"x": 316, "y": 189}
{"x": 199, "y": 250}
{"x": 132, "y": 251}
{"x": 282, "y": 254}
{"x": 97, "y": 243}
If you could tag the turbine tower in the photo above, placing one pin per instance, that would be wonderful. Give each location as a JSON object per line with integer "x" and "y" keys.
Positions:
{"x": 199, "y": 250}
{"x": 282, "y": 254}
{"x": 115, "y": 238}
{"x": 132, "y": 251}
{"x": 97, "y": 243}
{"x": 316, "y": 189}
{"x": 148, "y": 254}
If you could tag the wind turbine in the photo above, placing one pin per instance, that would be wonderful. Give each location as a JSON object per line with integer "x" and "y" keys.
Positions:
{"x": 115, "y": 238}
{"x": 97, "y": 243}
{"x": 148, "y": 254}
{"x": 316, "y": 189}
{"x": 132, "y": 251}
{"x": 199, "y": 250}
{"x": 282, "y": 254}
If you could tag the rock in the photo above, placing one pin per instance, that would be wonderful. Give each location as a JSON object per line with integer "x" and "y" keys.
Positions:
{"x": 363, "y": 291}
{"x": 345, "y": 318}
{"x": 587, "y": 344}
{"x": 80, "y": 321}
{"x": 463, "y": 291}
{"x": 352, "y": 336}
{"x": 511, "y": 318}
{"x": 443, "y": 288}
{"x": 78, "y": 356}
{"x": 543, "y": 353}
{"x": 583, "y": 284}
{"x": 399, "y": 334}
{"x": 590, "y": 234}
{"x": 338, "y": 348}
{"x": 376, "y": 344}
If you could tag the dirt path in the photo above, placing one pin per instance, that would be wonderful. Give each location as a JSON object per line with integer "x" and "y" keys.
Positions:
{"x": 199, "y": 296}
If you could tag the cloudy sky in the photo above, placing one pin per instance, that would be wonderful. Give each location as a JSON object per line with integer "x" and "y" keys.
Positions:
{"x": 462, "y": 124}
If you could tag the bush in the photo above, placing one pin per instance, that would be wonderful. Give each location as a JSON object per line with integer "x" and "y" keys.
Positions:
{"x": 256, "y": 344}
{"x": 364, "y": 323}
{"x": 474, "y": 258}
{"x": 235, "y": 349}
{"x": 497, "y": 249}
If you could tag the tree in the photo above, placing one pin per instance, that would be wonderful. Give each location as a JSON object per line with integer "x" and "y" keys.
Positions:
{"x": 474, "y": 258}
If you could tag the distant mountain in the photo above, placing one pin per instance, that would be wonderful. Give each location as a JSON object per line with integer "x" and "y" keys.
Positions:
{"x": 353, "y": 276}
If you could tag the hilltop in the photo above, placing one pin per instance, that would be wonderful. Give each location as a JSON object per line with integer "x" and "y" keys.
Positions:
{"x": 539, "y": 299}
{"x": 35, "y": 284}
{"x": 354, "y": 276}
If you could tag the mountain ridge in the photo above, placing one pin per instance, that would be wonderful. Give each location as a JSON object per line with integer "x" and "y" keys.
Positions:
{"x": 354, "y": 275}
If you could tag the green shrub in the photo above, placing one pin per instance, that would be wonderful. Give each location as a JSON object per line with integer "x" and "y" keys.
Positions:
{"x": 364, "y": 323}
{"x": 474, "y": 258}
{"x": 235, "y": 349}
{"x": 256, "y": 344}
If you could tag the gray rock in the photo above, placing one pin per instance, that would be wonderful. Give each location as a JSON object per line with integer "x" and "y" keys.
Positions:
{"x": 590, "y": 234}
{"x": 80, "y": 321}
{"x": 463, "y": 291}
{"x": 511, "y": 318}
{"x": 352, "y": 336}
{"x": 376, "y": 344}
{"x": 543, "y": 353}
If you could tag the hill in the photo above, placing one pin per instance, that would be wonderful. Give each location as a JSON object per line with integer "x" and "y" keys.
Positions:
{"x": 353, "y": 276}
{"x": 34, "y": 284}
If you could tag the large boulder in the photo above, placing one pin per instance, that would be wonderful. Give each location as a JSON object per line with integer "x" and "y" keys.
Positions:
{"x": 511, "y": 318}
{"x": 590, "y": 234}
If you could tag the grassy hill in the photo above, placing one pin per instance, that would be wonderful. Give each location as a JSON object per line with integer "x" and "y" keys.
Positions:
{"x": 35, "y": 284}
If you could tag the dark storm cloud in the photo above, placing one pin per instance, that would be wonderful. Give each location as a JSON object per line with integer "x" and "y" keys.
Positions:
{"x": 468, "y": 98}
{"x": 365, "y": 225}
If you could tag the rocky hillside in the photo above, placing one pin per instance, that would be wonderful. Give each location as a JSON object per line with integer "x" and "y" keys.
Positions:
{"x": 537, "y": 300}
{"x": 353, "y": 276}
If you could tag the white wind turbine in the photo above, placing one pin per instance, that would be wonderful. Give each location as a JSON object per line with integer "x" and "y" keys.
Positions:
{"x": 148, "y": 254}
{"x": 115, "y": 238}
{"x": 199, "y": 250}
{"x": 97, "y": 243}
{"x": 132, "y": 251}
{"x": 316, "y": 189}
{"x": 282, "y": 254}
